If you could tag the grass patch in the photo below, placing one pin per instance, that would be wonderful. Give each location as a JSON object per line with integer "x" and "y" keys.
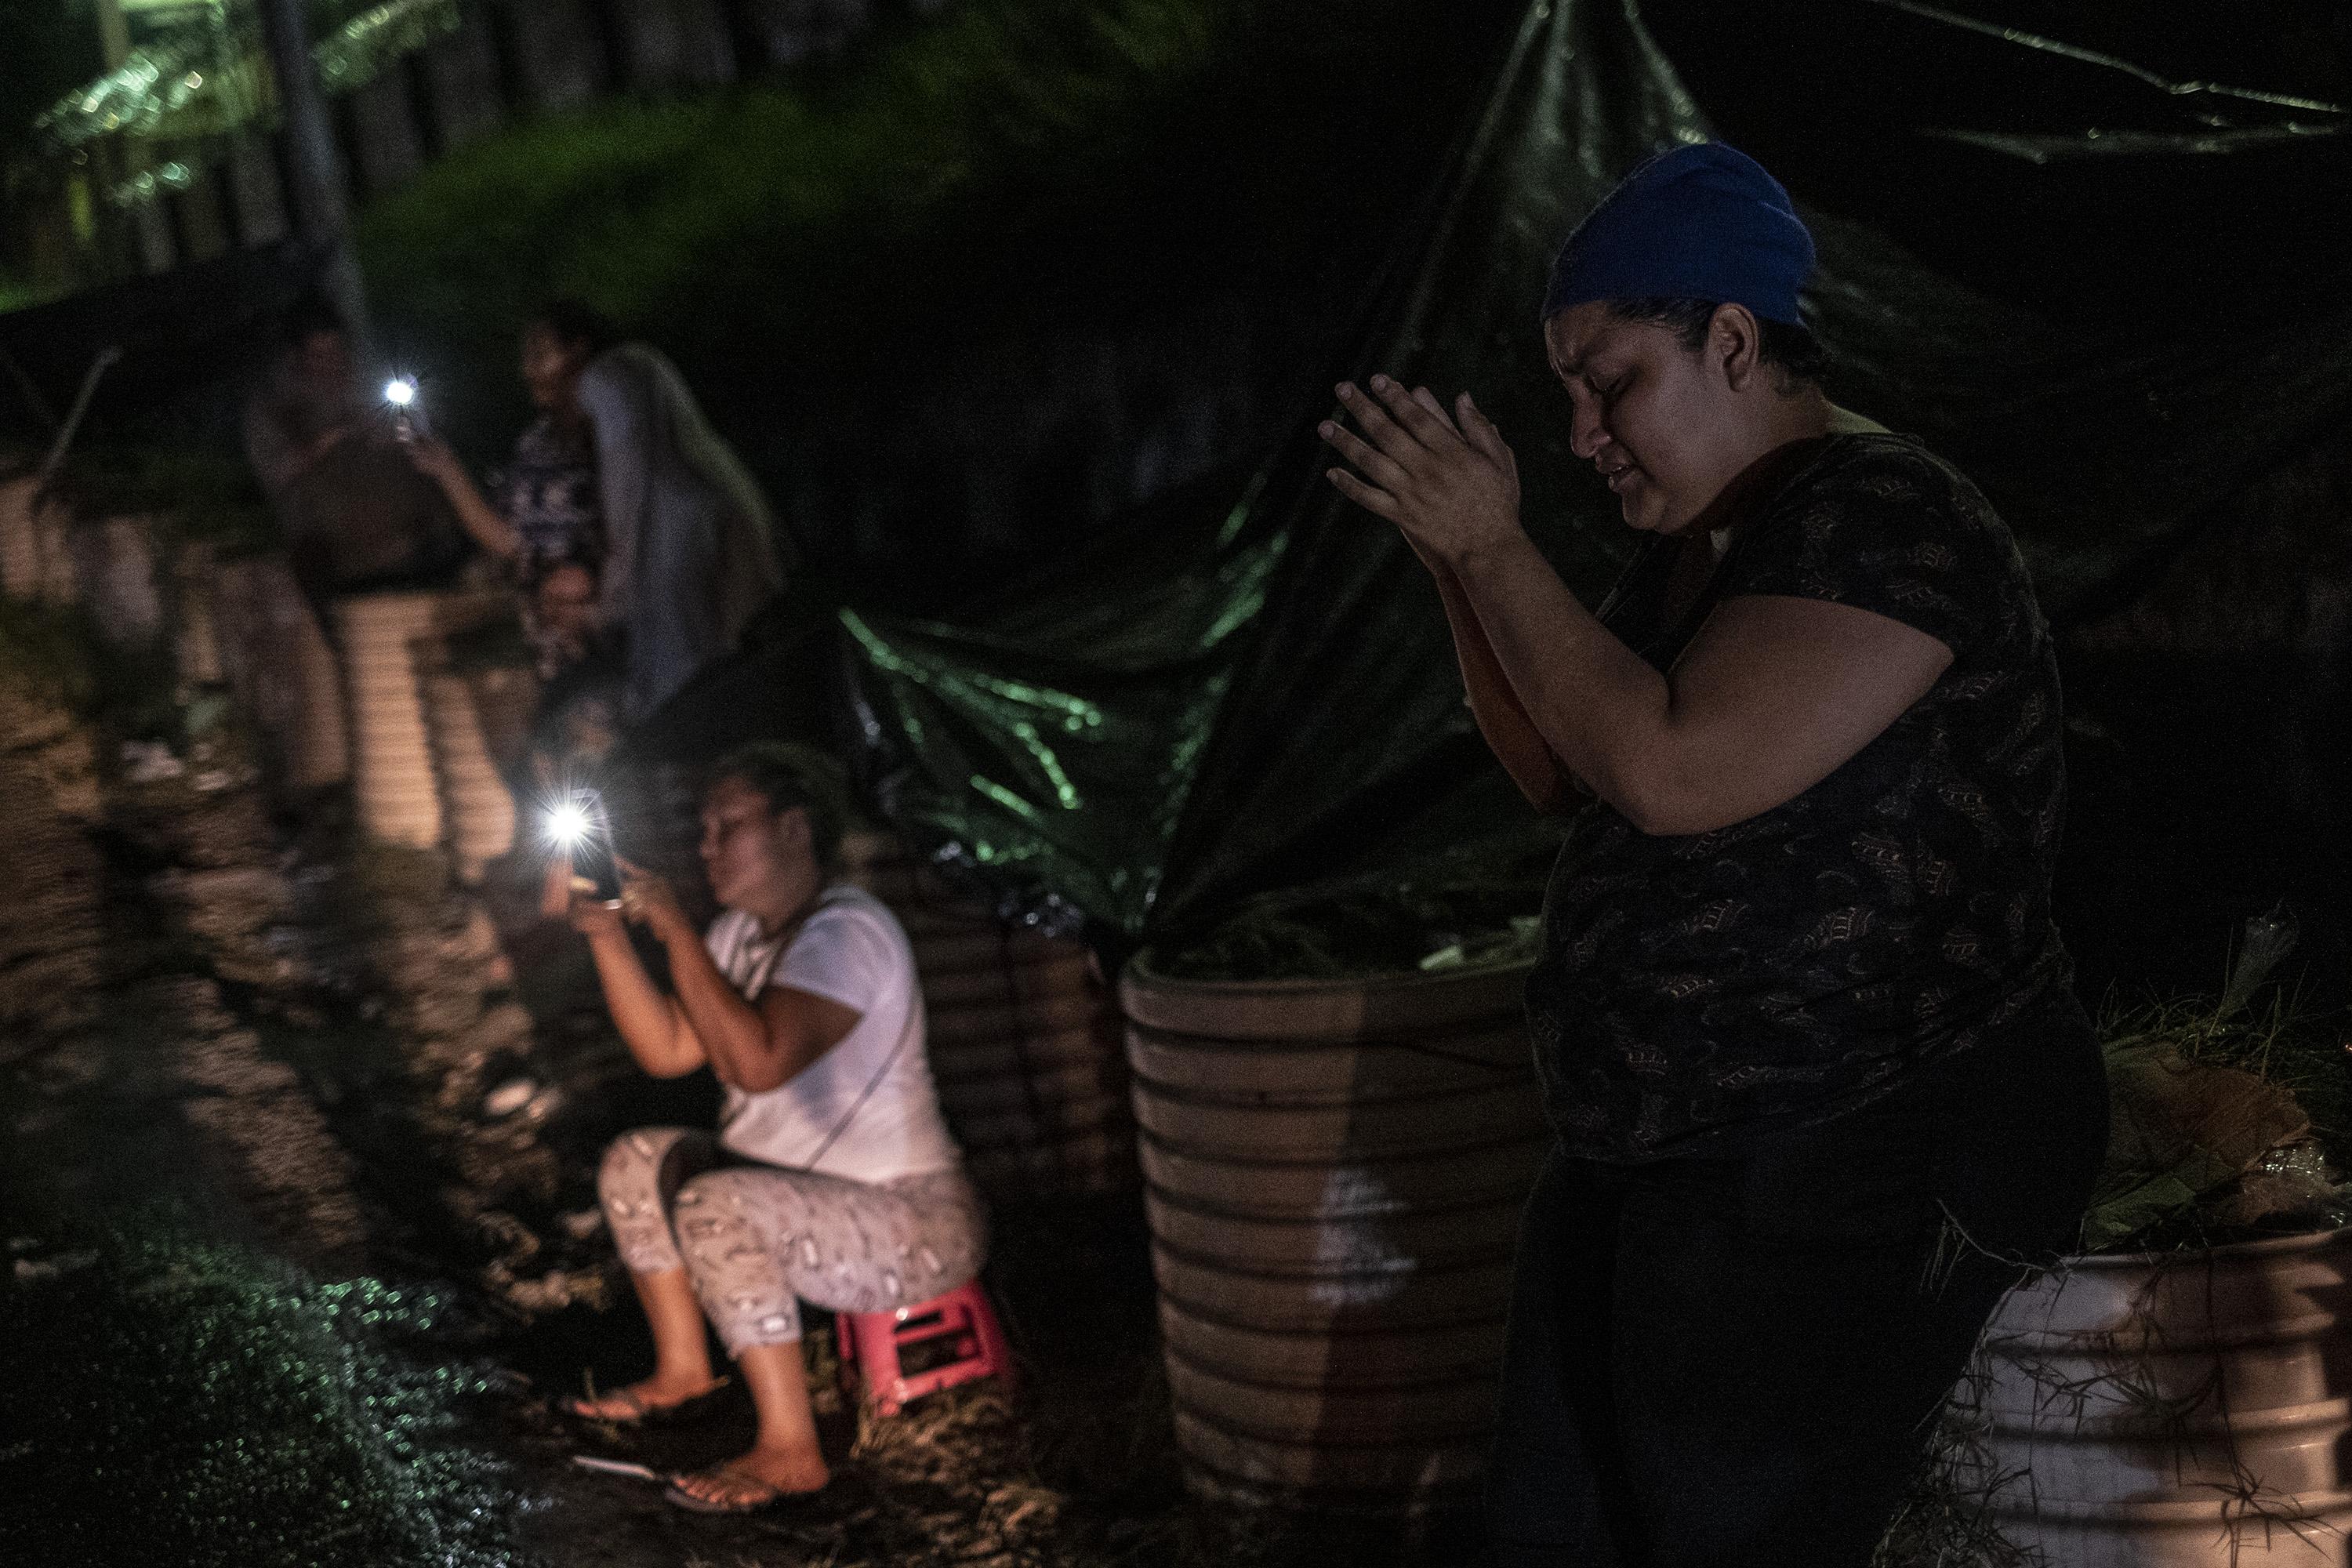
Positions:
{"x": 22, "y": 294}
{"x": 195, "y": 494}
{"x": 52, "y": 654}
{"x": 189, "y": 495}
{"x": 2282, "y": 1042}
{"x": 2228, "y": 1116}
{"x": 2226, "y": 1126}
{"x": 55, "y": 656}
{"x": 775, "y": 219}
{"x": 203, "y": 1404}
{"x": 1012, "y": 158}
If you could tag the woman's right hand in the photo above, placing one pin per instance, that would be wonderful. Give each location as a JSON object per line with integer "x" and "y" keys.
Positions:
{"x": 573, "y": 899}
{"x": 432, "y": 456}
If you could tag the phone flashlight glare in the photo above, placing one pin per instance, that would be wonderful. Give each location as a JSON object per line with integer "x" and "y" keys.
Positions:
{"x": 569, "y": 823}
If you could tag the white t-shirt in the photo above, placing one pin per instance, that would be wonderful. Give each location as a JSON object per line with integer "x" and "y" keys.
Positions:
{"x": 865, "y": 1109}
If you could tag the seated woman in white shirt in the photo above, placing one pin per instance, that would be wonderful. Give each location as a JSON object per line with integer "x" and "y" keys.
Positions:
{"x": 836, "y": 1181}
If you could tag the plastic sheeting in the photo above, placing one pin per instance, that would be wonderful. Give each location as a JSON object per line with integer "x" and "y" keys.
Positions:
{"x": 1251, "y": 687}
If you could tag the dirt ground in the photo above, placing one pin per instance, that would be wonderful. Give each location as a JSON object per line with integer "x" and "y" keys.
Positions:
{"x": 297, "y": 1196}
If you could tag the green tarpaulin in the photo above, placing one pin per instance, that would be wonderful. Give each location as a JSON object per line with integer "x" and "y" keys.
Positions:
{"x": 2067, "y": 271}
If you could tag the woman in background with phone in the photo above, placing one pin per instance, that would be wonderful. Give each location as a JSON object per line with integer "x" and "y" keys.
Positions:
{"x": 625, "y": 474}
{"x": 542, "y": 516}
{"x": 836, "y": 1181}
{"x": 542, "y": 511}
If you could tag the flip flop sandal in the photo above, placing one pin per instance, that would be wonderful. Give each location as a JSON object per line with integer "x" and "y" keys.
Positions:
{"x": 763, "y": 1496}
{"x": 639, "y": 1413}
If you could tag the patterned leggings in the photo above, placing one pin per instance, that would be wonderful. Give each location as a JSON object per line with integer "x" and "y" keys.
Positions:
{"x": 757, "y": 1240}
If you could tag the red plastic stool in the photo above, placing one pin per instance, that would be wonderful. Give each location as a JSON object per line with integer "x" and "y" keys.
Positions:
{"x": 870, "y": 1342}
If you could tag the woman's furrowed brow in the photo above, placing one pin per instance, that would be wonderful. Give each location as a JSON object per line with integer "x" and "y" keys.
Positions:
{"x": 1580, "y": 368}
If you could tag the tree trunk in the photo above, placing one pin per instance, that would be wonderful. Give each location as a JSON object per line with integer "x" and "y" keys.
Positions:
{"x": 322, "y": 200}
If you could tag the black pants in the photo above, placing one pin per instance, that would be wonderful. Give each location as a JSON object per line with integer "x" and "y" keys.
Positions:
{"x": 1738, "y": 1361}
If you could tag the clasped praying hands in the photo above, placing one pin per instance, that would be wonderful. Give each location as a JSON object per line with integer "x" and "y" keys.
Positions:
{"x": 1449, "y": 481}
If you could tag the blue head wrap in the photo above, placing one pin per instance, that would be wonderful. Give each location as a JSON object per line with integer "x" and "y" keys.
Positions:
{"x": 1700, "y": 222}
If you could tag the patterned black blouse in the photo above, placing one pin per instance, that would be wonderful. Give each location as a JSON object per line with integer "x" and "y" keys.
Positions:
{"x": 1695, "y": 990}
{"x": 547, "y": 492}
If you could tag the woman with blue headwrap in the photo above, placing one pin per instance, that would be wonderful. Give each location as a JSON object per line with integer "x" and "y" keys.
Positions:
{"x": 1804, "y": 1026}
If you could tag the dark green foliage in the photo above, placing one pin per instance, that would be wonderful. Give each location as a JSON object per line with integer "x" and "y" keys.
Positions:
{"x": 2281, "y": 1040}
{"x": 2203, "y": 1095}
{"x": 51, "y": 654}
{"x": 1012, "y": 159}
{"x": 46, "y": 48}
{"x": 195, "y": 492}
{"x": 770, "y": 219}
{"x": 55, "y": 656}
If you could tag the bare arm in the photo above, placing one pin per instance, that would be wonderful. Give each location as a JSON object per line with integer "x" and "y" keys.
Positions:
{"x": 1502, "y": 719}
{"x": 651, "y": 1025}
{"x": 489, "y": 526}
{"x": 1771, "y": 695}
{"x": 658, "y": 1034}
{"x": 753, "y": 1046}
{"x": 755, "y": 1049}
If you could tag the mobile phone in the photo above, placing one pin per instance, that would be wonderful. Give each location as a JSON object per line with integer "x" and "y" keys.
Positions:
{"x": 578, "y": 827}
{"x": 595, "y": 863}
{"x": 407, "y": 413}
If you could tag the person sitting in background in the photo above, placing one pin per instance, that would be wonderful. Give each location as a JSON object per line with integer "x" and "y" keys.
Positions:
{"x": 563, "y": 618}
{"x": 578, "y": 722}
{"x": 682, "y": 541}
{"x": 692, "y": 553}
{"x": 842, "y": 1186}
{"x": 355, "y": 515}
{"x": 540, "y": 514}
